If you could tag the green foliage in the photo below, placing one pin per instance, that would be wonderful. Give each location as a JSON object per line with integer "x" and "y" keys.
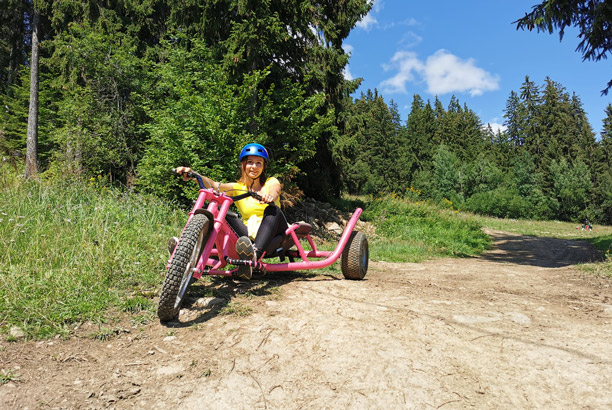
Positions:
{"x": 572, "y": 188}
{"x": 73, "y": 249}
{"x": 446, "y": 174}
{"x": 369, "y": 152}
{"x": 14, "y": 119}
{"x": 97, "y": 74}
{"x": 591, "y": 18}
{"x": 201, "y": 120}
{"x": 413, "y": 231}
{"x": 482, "y": 175}
{"x": 501, "y": 202}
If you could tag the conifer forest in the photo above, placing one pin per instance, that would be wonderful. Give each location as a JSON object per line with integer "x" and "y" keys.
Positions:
{"x": 131, "y": 89}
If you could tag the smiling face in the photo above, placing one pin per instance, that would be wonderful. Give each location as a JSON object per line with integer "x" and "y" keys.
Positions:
{"x": 253, "y": 166}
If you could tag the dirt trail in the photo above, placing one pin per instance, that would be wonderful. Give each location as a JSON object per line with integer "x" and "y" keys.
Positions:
{"x": 519, "y": 327}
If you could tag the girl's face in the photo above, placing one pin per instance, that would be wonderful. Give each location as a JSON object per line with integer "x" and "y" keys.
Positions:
{"x": 254, "y": 166}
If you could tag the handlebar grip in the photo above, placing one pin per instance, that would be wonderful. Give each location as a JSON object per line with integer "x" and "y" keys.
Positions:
{"x": 190, "y": 174}
{"x": 256, "y": 196}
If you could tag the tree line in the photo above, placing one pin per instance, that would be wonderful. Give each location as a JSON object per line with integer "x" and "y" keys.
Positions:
{"x": 546, "y": 164}
{"x": 131, "y": 89}
{"x": 127, "y": 88}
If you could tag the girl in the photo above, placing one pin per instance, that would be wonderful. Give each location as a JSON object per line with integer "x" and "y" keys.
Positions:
{"x": 261, "y": 220}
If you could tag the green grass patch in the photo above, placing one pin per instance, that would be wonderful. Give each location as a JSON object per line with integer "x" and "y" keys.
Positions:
{"x": 7, "y": 376}
{"x": 237, "y": 309}
{"x": 410, "y": 231}
{"x": 73, "y": 249}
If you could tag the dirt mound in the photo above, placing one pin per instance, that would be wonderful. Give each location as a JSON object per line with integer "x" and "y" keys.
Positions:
{"x": 327, "y": 222}
{"x": 519, "y": 327}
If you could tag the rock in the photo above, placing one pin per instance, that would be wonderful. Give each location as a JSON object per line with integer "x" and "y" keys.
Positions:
{"x": 334, "y": 227}
{"x": 209, "y": 302}
{"x": 16, "y": 333}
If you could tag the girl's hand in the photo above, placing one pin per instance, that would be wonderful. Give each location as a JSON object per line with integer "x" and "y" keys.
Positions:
{"x": 266, "y": 199}
{"x": 184, "y": 171}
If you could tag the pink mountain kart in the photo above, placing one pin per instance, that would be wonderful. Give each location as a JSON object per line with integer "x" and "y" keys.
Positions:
{"x": 207, "y": 246}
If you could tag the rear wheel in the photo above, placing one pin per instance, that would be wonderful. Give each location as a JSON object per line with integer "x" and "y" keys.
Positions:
{"x": 354, "y": 259}
{"x": 180, "y": 273}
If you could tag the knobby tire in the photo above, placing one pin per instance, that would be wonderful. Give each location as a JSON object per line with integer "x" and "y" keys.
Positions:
{"x": 181, "y": 268}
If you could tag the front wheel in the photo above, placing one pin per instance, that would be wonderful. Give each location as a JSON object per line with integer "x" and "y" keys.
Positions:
{"x": 180, "y": 273}
{"x": 354, "y": 259}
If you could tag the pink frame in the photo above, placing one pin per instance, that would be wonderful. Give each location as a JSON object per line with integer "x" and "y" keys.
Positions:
{"x": 222, "y": 241}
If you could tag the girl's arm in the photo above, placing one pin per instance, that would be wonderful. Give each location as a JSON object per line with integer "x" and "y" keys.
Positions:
{"x": 274, "y": 190}
{"x": 209, "y": 183}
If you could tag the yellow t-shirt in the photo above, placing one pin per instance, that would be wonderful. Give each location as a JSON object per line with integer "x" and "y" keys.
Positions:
{"x": 250, "y": 209}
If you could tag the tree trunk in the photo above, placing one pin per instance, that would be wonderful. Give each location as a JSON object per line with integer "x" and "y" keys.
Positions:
{"x": 31, "y": 164}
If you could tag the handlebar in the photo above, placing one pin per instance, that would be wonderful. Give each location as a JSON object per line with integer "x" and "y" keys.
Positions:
{"x": 198, "y": 177}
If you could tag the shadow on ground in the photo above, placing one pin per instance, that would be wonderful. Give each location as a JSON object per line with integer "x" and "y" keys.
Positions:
{"x": 218, "y": 293}
{"x": 540, "y": 251}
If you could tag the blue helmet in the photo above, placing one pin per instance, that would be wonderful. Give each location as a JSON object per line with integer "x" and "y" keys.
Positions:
{"x": 255, "y": 149}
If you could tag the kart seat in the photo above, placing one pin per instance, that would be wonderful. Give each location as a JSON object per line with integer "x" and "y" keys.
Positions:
{"x": 281, "y": 243}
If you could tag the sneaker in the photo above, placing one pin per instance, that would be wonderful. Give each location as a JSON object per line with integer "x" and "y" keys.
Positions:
{"x": 172, "y": 242}
{"x": 245, "y": 251}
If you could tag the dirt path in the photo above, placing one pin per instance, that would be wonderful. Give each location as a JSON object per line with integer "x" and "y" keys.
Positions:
{"x": 516, "y": 328}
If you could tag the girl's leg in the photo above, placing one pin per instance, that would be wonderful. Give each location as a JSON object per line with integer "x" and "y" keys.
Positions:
{"x": 244, "y": 247}
{"x": 272, "y": 224}
{"x": 237, "y": 226}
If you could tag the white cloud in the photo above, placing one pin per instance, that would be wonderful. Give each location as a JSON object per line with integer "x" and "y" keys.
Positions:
{"x": 442, "y": 72}
{"x": 347, "y": 73}
{"x": 348, "y": 49}
{"x": 377, "y": 5}
{"x": 495, "y": 126}
{"x": 406, "y": 63}
{"x": 367, "y": 22}
{"x": 446, "y": 73}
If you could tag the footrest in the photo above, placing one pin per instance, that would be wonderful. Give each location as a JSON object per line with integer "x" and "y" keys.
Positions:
{"x": 258, "y": 266}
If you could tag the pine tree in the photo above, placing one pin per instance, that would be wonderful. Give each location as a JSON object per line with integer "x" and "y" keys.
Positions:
{"x": 602, "y": 189}
{"x": 13, "y": 44}
{"x": 420, "y": 131}
{"x": 371, "y": 154}
{"x": 529, "y": 115}
{"x": 591, "y": 18}
{"x": 514, "y": 122}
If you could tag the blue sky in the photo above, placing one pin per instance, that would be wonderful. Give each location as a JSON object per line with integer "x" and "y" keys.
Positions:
{"x": 470, "y": 49}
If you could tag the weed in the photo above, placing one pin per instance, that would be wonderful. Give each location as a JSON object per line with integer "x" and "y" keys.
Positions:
{"x": 104, "y": 334}
{"x": 137, "y": 304}
{"x": 8, "y": 376}
{"x": 263, "y": 289}
{"x": 142, "y": 319}
{"x": 236, "y": 308}
{"x": 414, "y": 231}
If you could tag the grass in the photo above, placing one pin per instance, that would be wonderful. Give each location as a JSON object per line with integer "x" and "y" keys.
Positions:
{"x": 237, "y": 309}
{"x": 71, "y": 250}
{"x": 7, "y": 376}
{"x": 410, "y": 231}
{"x": 76, "y": 251}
